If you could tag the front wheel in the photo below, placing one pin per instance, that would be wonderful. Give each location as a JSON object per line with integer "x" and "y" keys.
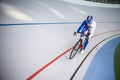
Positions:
{"x": 75, "y": 49}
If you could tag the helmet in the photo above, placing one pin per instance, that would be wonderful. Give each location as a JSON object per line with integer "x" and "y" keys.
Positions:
{"x": 89, "y": 19}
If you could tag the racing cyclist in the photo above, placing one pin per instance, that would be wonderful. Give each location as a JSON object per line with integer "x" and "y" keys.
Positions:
{"x": 90, "y": 25}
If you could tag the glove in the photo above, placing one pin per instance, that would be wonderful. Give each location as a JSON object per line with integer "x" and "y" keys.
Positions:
{"x": 75, "y": 33}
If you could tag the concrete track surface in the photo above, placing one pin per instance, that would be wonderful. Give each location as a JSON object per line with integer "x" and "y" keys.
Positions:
{"x": 40, "y": 51}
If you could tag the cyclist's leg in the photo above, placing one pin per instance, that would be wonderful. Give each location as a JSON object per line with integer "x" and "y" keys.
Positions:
{"x": 85, "y": 44}
{"x": 86, "y": 40}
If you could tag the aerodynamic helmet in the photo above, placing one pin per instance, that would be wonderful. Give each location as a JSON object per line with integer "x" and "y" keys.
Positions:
{"x": 89, "y": 19}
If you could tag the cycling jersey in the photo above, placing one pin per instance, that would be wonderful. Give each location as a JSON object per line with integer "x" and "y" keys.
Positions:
{"x": 83, "y": 27}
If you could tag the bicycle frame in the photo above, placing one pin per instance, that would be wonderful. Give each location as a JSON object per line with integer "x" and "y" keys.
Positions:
{"x": 82, "y": 38}
{"x": 78, "y": 46}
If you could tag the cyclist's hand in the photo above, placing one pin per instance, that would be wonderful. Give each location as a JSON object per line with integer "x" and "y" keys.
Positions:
{"x": 75, "y": 33}
{"x": 88, "y": 34}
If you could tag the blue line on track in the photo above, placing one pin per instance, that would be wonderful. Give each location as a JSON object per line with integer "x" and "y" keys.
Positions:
{"x": 44, "y": 23}
{"x": 39, "y": 23}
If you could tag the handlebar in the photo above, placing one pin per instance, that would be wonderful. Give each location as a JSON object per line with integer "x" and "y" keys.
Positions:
{"x": 80, "y": 33}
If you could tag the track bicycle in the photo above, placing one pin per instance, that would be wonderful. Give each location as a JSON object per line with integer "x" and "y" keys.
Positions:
{"x": 79, "y": 45}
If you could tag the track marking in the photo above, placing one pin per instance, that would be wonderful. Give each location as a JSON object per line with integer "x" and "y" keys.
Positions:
{"x": 45, "y": 23}
{"x": 41, "y": 69}
{"x": 53, "y": 10}
{"x": 81, "y": 11}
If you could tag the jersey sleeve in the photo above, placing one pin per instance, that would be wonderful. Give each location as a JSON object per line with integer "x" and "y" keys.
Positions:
{"x": 81, "y": 26}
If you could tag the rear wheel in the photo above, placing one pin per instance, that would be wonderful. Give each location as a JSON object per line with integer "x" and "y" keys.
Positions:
{"x": 75, "y": 49}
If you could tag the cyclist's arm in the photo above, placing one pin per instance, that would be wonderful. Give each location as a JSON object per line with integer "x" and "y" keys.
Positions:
{"x": 81, "y": 26}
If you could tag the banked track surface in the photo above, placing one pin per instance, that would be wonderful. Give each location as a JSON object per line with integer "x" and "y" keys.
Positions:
{"x": 89, "y": 54}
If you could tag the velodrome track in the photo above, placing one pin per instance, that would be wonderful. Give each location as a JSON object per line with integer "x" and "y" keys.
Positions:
{"x": 36, "y": 38}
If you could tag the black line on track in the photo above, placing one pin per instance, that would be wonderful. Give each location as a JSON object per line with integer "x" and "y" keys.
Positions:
{"x": 88, "y": 55}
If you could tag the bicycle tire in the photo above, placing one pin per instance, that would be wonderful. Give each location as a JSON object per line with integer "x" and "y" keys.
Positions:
{"x": 75, "y": 49}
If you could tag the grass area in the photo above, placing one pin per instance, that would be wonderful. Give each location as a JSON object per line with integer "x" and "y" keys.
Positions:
{"x": 117, "y": 63}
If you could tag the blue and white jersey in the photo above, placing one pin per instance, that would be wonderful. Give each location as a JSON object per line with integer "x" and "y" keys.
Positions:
{"x": 83, "y": 27}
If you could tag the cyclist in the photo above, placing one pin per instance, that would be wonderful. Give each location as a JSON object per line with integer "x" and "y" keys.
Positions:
{"x": 88, "y": 24}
